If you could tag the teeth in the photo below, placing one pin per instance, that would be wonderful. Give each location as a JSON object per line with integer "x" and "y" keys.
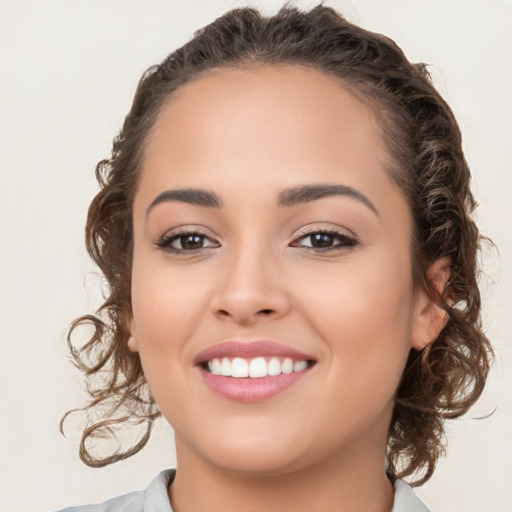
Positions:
{"x": 287, "y": 365}
{"x": 239, "y": 367}
{"x": 258, "y": 367}
{"x": 225, "y": 368}
{"x": 215, "y": 366}
{"x": 300, "y": 365}
{"x": 274, "y": 367}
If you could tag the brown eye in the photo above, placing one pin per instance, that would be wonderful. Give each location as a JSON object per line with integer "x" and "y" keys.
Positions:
{"x": 320, "y": 240}
{"x": 186, "y": 242}
{"x": 325, "y": 240}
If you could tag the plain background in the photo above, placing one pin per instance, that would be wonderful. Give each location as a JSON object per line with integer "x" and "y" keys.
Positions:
{"x": 68, "y": 71}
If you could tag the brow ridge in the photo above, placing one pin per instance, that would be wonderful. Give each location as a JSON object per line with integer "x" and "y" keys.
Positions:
{"x": 308, "y": 193}
{"x": 192, "y": 196}
{"x": 287, "y": 198}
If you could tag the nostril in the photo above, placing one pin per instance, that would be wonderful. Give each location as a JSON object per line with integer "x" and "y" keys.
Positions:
{"x": 245, "y": 317}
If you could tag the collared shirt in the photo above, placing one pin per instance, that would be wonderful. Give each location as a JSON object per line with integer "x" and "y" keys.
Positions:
{"x": 156, "y": 499}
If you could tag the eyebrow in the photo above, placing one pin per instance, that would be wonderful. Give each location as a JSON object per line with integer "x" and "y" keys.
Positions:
{"x": 287, "y": 198}
{"x": 193, "y": 196}
{"x": 308, "y": 193}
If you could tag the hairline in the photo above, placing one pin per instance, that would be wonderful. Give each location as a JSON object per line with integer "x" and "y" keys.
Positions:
{"x": 381, "y": 113}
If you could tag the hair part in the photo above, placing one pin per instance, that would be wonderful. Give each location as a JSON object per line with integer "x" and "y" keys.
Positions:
{"x": 426, "y": 162}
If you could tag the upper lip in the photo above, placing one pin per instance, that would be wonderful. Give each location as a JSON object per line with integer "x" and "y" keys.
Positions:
{"x": 249, "y": 349}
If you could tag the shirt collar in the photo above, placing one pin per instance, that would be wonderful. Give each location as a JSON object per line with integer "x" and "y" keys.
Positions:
{"x": 156, "y": 498}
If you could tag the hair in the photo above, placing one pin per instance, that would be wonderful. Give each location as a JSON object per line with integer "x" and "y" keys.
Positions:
{"x": 427, "y": 163}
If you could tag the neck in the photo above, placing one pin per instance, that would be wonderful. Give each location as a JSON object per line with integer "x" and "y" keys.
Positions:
{"x": 347, "y": 482}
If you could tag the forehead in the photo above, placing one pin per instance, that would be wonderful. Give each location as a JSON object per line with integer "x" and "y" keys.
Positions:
{"x": 269, "y": 111}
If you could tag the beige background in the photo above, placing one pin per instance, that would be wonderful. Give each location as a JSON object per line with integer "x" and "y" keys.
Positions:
{"x": 68, "y": 71}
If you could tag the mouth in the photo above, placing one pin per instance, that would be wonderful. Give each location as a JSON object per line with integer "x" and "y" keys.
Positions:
{"x": 255, "y": 368}
{"x": 252, "y": 371}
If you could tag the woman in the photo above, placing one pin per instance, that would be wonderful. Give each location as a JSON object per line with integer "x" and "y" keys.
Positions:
{"x": 284, "y": 225}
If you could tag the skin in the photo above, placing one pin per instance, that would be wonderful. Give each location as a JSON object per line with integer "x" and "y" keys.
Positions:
{"x": 247, "y": 135}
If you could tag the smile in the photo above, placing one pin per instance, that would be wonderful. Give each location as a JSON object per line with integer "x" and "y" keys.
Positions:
{"x": 239, "y": 367}
{"x": 252, "y": 371}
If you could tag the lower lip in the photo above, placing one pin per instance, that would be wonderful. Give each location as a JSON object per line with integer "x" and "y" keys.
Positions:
{"x": 251, "y": 390}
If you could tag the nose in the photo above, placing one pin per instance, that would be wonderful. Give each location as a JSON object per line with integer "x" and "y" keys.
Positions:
{"x": 251, "y": 289}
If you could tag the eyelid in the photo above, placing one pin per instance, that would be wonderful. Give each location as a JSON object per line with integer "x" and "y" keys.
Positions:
{"x": 348, "y": 240}
{"x": 169, "y": 236}
{"x": 345, "y": 240}
{"x": 326, "y": 228}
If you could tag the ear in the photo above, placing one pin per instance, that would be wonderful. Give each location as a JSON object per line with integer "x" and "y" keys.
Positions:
{"x": 429, "y": 317}
{"x": 132, "y": 342}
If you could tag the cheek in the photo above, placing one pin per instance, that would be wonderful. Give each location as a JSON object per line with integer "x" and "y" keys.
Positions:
{"x": 164, "y": 304}
{"x": 364, "y": 316}
{"x": 164, "y": 311}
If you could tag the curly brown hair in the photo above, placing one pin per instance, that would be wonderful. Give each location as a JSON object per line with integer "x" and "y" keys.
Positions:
{"x": 439, "y": 382}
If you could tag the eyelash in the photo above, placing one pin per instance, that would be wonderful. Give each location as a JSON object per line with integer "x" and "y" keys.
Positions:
{"x": 345, "y": 242}
{"x": 167, "y": 240}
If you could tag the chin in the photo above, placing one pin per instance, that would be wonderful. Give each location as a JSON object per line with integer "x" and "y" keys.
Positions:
{"x": 258, "y": 462}
{"x": 257, "y": 452}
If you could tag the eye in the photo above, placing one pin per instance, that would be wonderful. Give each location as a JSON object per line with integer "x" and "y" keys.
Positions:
{"x": 324, "y": 240}
{"x": 186, "y": 241}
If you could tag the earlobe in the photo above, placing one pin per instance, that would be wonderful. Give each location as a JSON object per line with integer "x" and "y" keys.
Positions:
{"x": 429, "y": 317}
{"x": 132, "y": 342}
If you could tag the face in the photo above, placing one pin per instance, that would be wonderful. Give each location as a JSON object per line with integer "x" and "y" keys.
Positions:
{"x": 269, "y": 240}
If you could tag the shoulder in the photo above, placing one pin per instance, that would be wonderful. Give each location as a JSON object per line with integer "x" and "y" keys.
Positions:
{"x": 153, "y": 499}
{"x": 406, "y": 500}
{"x": 131, "y": 502}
